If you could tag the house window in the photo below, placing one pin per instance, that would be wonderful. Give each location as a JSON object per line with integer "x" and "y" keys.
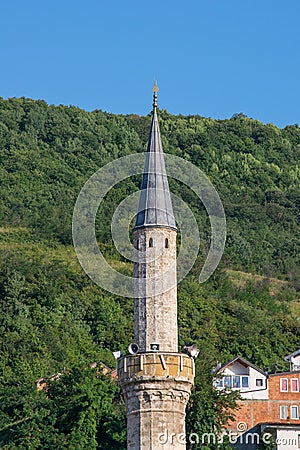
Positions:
{"x": 219, "y": 383}
{"x": 294, "y": 385}
{"x": 259, "y": 382}
{"x": 150, "y": 242}
{"x": 227, "y": 381}
{"x": 283, "y": 385}
{"x": 283, "y": 412}
{"x": 166, "y": 243}
{"x": 298, "y": 440}
{"x": 234, "y": 381}
{"x": 294, "y": 412}
{"x": 245, "y": 382}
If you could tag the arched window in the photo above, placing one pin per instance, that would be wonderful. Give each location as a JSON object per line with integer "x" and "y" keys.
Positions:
{"x": 151, "y": 242}
{"x": 166, "y": 243}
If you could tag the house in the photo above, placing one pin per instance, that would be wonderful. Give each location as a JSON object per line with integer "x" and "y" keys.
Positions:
{"x": 41, "y": 383}
{"x": 294, "y": 360}
{"x": 270, "y": 402}
{"x": 245, "y": 377}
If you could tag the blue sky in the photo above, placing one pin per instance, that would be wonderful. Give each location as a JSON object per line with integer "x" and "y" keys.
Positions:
{"x": 213, "y": 58}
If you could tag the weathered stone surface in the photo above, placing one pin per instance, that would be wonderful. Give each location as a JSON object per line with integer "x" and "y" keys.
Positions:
{"x": 155, "y": 306}
{"x": 156, "y": 392}
{"x": 156, "y": 385}
{"x": 161, "y": 366}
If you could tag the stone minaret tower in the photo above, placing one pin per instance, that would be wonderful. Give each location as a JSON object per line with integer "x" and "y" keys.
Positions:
{"x": 155, "y": 379}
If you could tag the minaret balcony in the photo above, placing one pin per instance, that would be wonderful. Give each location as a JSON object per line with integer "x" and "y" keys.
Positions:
{"x": 159, "y": 365}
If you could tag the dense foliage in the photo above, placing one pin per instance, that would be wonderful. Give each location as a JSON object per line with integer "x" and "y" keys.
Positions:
{"x": 55, "y": 320}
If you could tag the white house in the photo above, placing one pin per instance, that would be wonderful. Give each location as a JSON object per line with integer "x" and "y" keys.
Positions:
{"x": 244, "y": 376}
{"x": 294, "y": 360}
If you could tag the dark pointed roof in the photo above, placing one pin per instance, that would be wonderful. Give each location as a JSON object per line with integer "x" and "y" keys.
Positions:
{"x": 155, "y": 206}
{"x": 295, "y": 353}
{"x": 242, "y": 361}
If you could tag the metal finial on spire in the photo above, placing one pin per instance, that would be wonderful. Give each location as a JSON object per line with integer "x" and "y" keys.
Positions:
{"x": 155, "y": 91}
{"x": 155, "y": 206}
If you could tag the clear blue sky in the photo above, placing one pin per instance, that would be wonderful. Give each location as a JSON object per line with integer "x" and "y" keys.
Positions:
{"x": 213, "y": 58}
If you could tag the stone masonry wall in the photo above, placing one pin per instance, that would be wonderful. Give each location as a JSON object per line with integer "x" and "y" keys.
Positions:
{"x": 156, "y": 388}
{"x": 155, "y": 307}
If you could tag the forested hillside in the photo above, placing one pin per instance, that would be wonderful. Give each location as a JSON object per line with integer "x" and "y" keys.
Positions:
{"x": 55, "y": 320}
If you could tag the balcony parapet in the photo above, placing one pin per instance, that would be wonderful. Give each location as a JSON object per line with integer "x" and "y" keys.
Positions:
{"x": 155, "y": 365}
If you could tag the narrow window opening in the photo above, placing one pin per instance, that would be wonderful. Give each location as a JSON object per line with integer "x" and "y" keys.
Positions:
{"x": 283, "y": 412}
{"x": 284, "y": 385}
{"x": 166, "y": 243}
{"x": 294, "y": 412}
{"x": 151, "y": 242}
{"x": 294, "y": 385}
{"x": 137, "y": 244}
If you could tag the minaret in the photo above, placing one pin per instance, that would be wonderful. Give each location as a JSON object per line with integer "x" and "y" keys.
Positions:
{"x": 155, "y": 379}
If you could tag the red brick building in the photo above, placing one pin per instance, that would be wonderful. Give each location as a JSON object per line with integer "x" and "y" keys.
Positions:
{"x": 270, "y": 402}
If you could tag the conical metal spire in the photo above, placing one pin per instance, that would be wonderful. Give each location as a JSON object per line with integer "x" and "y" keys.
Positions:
{"x": 155, "y": 206}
